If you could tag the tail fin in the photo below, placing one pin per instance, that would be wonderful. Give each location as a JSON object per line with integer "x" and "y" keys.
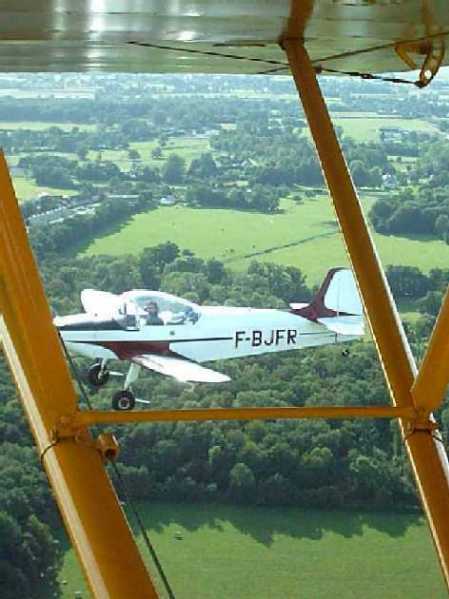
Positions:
{"x": 339, "y": 293}
{"x": 338, "y": 296}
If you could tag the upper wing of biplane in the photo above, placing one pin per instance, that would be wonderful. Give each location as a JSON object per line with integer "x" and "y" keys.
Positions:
{"x": 212, "y": 36}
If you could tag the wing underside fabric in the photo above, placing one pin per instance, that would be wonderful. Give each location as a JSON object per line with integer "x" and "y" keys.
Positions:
{"x": 182, "y": 370}
{"x": 189, "y": 36}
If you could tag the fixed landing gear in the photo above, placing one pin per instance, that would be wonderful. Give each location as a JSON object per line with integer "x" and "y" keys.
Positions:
{"x": 123, "y": 400}
{"x": 98, "y": 374}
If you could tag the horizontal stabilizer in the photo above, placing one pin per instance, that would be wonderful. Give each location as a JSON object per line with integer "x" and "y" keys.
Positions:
{"x": 182, "y": 370}
{"x": 297, "y": 306}
{"x": 344, "y": 325}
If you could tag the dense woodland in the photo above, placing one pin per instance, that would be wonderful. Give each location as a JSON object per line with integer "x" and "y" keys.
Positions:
{"x": 328, "y": 464}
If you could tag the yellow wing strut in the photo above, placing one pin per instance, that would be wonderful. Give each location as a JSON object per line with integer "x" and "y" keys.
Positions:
{"x": 423, "y": 442}
{"x": 86, "y": 499}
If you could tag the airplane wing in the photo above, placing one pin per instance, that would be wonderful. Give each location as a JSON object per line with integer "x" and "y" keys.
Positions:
{"x": 241, "y": 36}
{"x": 99, "y": 303}
{"x": 344, "y": 325}
{"x": 182, "y": 370}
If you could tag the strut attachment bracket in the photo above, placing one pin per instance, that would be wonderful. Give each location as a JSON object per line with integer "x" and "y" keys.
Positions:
{"x": 431, "y": 48}
{"x": 423, "y": 422}
{"x": 69, "y": 428}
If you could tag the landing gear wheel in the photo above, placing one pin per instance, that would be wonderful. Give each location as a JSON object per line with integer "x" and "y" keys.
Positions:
{"x": 97, "y": 376}
{"x": 123, "y": 401}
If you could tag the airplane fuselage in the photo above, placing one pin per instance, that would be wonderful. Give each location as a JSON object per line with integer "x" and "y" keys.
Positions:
{"x": 220, "y": 333}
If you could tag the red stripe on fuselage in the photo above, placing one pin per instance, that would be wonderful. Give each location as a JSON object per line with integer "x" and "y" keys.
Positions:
{"x": 126, "y": 350}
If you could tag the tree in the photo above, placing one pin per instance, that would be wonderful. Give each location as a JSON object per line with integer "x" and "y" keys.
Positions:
{"x": 137, "y": 129}
{"x": 431, "y": 303}
{"x": 82, "y": 152}
{"x": 215, "y": 271}
{"x": 203, "y": 167}
{"x": 156, "y": 152}
{"x": 158, "y": 256}
{"x": 54, "y": 176}
{"x": 122, "y": 274}
{"x": 29, "y": 558}
{"x": 174, "y": 169}
{"x": 442, "y": 226}
{"x": 192, "y": 286}
{"x": 13, "y": 581}
{"x": 407, "y": 281}
{"x": 317, "y": 465}
{"x": 149, "y": 175}
{"x": 360, "y": 174}
{"x": 380, "y": 213}
{"x": 410, "y": 218}
{"x": 242, "y": 482}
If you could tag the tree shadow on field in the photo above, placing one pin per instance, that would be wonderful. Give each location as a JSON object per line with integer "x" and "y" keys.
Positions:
{"x": 263, "y": 524}
{"x": 421, "y": 237}
{"x": 107, "y": 228}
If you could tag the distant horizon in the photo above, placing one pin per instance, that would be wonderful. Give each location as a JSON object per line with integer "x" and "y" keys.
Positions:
{"x": 442, "y": 73}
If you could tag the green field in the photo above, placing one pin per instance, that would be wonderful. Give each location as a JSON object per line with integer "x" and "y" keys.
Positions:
{"x": 308, "y": 230}
{"x": 26, "y": 189}
{"x": 41, "y": 125}
{"x": 229, "y": 552}
{"x": 186, "y": 147}
{"x": 119, "y": 157}
{"x": 367, "y": 128}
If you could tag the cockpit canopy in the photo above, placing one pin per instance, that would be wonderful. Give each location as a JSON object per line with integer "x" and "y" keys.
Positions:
{"x": 166, "y": 309}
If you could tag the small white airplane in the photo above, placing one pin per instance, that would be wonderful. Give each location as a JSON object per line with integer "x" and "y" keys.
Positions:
{"x": 172, "y": 336}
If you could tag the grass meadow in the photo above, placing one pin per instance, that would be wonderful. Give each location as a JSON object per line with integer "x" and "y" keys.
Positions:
{"x": 361, "y": 127}
{"x": 303, "y": 235}
{"x": 367, "y": 128}
{"x": 41, "y": 125}
{"x": 26, "y": 189}
{"x": 231, "y": 552}
{"x": 186, "y": 147}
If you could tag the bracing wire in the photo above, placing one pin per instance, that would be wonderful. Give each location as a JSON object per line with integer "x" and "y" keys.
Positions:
{"x": 123, "y": 488}
{"x": 278, "y": 66}
{"x": 145, "y": 536}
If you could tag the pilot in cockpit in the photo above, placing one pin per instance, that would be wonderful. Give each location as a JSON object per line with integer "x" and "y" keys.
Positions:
{"x": 152, "y": 310}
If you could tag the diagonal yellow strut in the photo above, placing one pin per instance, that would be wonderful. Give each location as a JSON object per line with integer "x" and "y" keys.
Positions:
{"x": 426, "y": 452}
{"x": 86, "y": 499}
{"x": 433, "y": 376}
{"x": 89, "y": 506}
